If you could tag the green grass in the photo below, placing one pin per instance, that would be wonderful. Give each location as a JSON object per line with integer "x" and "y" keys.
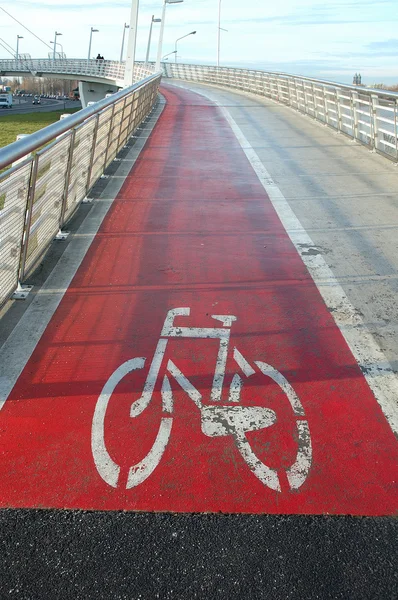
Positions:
{"x": 12, "y": 125}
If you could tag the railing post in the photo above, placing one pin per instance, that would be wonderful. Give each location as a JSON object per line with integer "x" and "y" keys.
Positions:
{"x": 132, "y": 114}
{"x": 339, "y": 114}
{"x": 289, "y": 89}
{"x": 90, "y": 167}
{"x": 374, "y": 105}
{"x": 121, "y": 125}
{"x": 314, "y": 101}
{"x": 305, "y": 99}
{"x": 109, "y": 136}
{"x": 396, "y": 129}
{"x": 325, "y": 104}
{"x": 66, "y": 188}
{"x": 28, "y": 217}
{"x": 354, "y": 109}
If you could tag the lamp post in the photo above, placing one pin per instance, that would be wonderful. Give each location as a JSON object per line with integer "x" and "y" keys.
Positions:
{"x": 178, "y": 39}
{"x": 131, "y": 44}
{"x": 157, "y": 68}
{"x": 55, "y": 42}
{"x": 153, "y": 20}
{"x": 19, "y": 37}
{"x": 219, "y": 33}
{"x": 58, "y": 44}
{"x": 166, "y": 55}
{"x": 92, "y": 30}
{"x": 124, "y": 33}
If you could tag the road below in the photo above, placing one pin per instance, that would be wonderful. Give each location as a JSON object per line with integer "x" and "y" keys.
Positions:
{"x": 47, "y": 105}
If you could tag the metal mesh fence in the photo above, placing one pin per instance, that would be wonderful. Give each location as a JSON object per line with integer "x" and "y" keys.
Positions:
{"x": 369, "y": 116}
{"x": 38, "y": 196}
{"x": 14, "y": 189}
{"x": 80, "y": 163}
{"x": 44, "y": 214}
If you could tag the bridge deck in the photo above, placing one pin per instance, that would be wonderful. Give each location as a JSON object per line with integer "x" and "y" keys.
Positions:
{"x": 193, "y": 227}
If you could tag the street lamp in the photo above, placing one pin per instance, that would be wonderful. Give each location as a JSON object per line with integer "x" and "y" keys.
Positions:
{"x": 219, "y": 33}
{"x": 153, "y": 20}
{"x": 92, "y": 30}
{"x": 55, "y": 42}
{"x": 58, "y": 44}
{"x": 19, "y": 37}
{"x": 177, "y": 40}
{"x": 164, "y": 57}
{"x": 124, "y": 33}
{"x": 131, "y": 44}
{"x": 157, "y": 68}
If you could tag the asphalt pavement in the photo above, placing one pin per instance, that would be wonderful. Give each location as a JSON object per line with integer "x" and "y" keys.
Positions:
{"x": 141, "y": 556}
{"x": 47, "y": 105}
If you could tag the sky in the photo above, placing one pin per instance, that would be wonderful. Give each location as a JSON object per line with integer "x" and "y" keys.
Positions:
{"x": 323, "y": 39}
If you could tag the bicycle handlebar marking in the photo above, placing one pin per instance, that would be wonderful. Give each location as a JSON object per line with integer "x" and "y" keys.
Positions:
{"x": 216, "y": 421}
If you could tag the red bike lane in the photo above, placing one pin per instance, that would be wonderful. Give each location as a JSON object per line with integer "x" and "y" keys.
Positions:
{"x": 193, "y": 228}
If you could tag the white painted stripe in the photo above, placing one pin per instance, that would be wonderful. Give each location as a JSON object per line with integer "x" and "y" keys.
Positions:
{"x": 143, "y": 401}
{"x": 242, "y": 362}
{"x": 376, "y": 369}
{"x": 141, "y": 471}
{"x": 283, "y": 383}
{"x": 167, "y": 396}
{"x": 106, "y": 467}
{"x": 265, "y": 474}
{"x": 186, "y": 385}
{"x": 298, "y": 472}
{"x": 235, "y": 388}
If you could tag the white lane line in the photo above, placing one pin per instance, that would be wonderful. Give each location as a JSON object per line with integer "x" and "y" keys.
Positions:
{"x": 19, "y": 346}
{"x": 376, "y": 369}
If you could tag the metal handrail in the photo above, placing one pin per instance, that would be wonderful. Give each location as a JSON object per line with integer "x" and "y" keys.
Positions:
{"x": 103, "y": 70}
{"x": 369, "y": 116}
{"x": 58, "y": 167}
{"x": 31, "y": 143}
{"x": 106, "y": 68}
{"x": 168, "y": 69}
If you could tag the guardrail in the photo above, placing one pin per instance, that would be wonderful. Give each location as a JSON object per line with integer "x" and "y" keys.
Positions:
{"x": 367, "y": 115}
{"x": 102, "y": 69}
{"x": 40, "y": 193}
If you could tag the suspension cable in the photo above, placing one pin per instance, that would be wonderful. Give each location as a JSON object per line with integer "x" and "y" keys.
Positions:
{"x": 12, "y": 49}
{"x": 22, "y": 25}
{"x": 7, "y": 50}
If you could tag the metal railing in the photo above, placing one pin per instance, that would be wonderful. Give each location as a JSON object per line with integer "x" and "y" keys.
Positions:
{"x": 40, "y": 193}
{"x": 367, "y": 115}
{"x": 97, "y": 69}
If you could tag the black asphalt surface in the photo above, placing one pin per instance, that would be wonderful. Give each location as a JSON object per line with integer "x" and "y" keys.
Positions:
{"x": 83, "y": 555}
{"x": 47, "y": 105}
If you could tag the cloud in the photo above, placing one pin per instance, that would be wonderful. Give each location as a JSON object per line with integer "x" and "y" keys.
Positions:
{"x": 318, "y": 17}
{"x": 72, "y": 7}
{"x": 387, "y": 45}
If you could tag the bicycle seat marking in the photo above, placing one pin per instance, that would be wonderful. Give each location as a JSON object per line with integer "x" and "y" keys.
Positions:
{"x": 217, "y": 420}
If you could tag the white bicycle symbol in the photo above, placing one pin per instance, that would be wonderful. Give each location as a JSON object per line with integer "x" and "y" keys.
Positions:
{"x": 216, "y": 420}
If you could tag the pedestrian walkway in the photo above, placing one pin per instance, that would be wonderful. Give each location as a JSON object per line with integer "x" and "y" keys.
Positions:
{"x": 192, "y": 364}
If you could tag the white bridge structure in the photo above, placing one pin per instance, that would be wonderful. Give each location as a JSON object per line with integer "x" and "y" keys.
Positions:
{"x": 96, "y": 77}
{"x": 370, "y": 116}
